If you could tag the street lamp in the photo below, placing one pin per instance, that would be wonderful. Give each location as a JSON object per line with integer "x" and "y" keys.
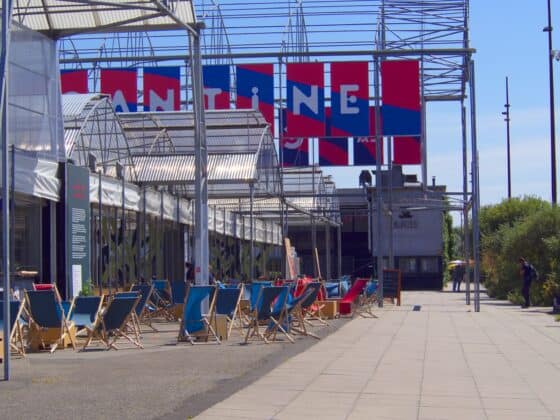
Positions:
{"x": 507, "y": 120}
{"x": 551, "y": 87}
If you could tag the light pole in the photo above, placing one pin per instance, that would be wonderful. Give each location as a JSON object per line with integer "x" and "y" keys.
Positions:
{"x": 551, "y": 88}
{"x": 507, "y": 120}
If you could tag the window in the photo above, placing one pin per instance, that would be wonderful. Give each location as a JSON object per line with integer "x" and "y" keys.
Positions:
{"x": 429, "y": 265}
{"x": 408, "y": 264}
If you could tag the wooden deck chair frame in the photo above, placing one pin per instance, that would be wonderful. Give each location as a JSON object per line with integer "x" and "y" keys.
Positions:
{"x": 366, "y": 304}
{"x": 314, "y": 312}
{"x": 162, "y": 305}
{"x": 272, "y": 330}
{"x": 207, "y": 320}
{"x": 144, "y": 316}
{"x": 16, "y": 333}
{"x": 253, "y": 328}
{"x": 133, "y": 323}
{"x": 65, "y": 326}
{"x": 73, "y": 307}
{"x": 100, "y": 332}
{"x": 299, "y": 325}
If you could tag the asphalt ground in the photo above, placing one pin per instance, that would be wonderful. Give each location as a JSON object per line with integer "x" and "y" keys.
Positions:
{"x": 165, "y": 380}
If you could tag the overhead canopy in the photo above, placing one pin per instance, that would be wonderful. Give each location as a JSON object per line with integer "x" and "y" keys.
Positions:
{"x": 58, "y": 19}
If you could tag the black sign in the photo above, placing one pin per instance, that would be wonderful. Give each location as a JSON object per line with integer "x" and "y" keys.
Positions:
{"x": 392, "y": 284}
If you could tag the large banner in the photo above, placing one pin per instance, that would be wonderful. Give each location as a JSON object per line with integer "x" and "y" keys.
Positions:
{"x": 364, "y": 147}
{"x": 162, "y": 88}
{"x": 255, "y": 89}
{"x": 73, "y": 81}
{"x": 295, "y": 151}
{"x": 407, "y": 151}
{"x": 332, "y": 151}
{"x": 306, "y": 100}
{"x": 216, "y": 86}
{"x": 400, "y": 86}
{"x": 350, "y": 99}
{"x": 122, "y": 86}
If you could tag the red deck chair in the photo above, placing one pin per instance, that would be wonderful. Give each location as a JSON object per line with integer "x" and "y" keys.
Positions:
{"x": 345, "y": 305}
{"x": 41, "y": 287}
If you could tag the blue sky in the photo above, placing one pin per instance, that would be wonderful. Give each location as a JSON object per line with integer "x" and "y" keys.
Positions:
{"x": 509, "y": 41}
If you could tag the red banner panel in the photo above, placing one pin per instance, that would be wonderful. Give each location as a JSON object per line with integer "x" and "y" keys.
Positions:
{"x": 350, "y": 99}
{"x": 407, "y": 151}
{"x": 74, "y": 81}
{"x": 400, "y": 93}
{"x": 121, "y": 84}
{"x": 306, "y": 100}
{"x": 255, "y": 89}
{"x": 162, "y": 87}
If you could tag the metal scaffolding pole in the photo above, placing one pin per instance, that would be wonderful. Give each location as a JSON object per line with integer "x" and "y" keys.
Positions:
{"x": 378, "y": 186}
{"x": 475, "y": 190}
{"x": 327, "y": 251}
{"x": 466, "y": 237}
{"x": 339, "y": 250}
{"x": 201, "y": 165}
{"x": 252, "y": 232}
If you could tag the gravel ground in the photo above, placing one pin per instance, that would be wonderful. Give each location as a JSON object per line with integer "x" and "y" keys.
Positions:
{"x": 166, "y": 379}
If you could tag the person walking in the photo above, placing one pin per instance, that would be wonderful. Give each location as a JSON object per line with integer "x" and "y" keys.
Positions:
{"x": 457, "y": 274}
{"x": 526, "y": 273}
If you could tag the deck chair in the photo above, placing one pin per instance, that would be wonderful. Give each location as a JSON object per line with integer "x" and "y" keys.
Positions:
{"x": 367, "y": 300}
{"x": 84, "y": 312}
{"x": 307, "y": 309}
{"x": 263, "y": 312}
{"x": 228, "y": 303}
{"x": 178, "y": 292}
{"x": 16, "y": 332}
{"x": 255, "y": 289}
{"x": 143, "y": 309}
{"x": 43, "y": 287}
{"x": 195, "y": 325}
{"x": 161, "y": 300}
{"x": 279, "y": 320}
{"x": 48, "y": 325}
{"x": 346, "y": 305}
{"x": 111, "y": 325}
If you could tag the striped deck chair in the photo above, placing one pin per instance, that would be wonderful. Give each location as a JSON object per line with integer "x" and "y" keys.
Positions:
{"x": 16, "y": 332}
{"x": 111, "y": 325}
{"x": 228, "y": 303}
{"x": 48, "y": 325}
{"x": 195, "y": 325}
{"x": 84, "y": 311}
{"x": 263, "y": 312}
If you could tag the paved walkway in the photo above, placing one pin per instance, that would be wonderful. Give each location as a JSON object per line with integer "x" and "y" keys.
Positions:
{"x": 441, "y": 362}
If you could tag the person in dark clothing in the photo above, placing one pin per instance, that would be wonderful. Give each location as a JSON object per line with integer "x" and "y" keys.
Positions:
{"x": 525, "y": 272}
{"x": 457, "y": 274}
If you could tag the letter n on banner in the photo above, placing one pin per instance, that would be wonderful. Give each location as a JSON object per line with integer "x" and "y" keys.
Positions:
{"x": 332, "y": 151}
{"x": 364, "y": 147}
{"x": 121, "y": 84}
{"x": 216, "y": 86}
{"x": 407, "y": 151}
{"x": 162, "y": 87}
{"x": 73, "y": 81}
{"x": 350, "y": 99}
{"x": 400, "y": 93}
{"x": 306, "y": 100}
{"x": 255, "y": 89}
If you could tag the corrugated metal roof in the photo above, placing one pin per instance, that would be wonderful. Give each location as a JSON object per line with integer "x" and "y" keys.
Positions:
{"x": 56, "y": 18}
{"x": 178, "y": 169}
{"x": 74, "y": 104}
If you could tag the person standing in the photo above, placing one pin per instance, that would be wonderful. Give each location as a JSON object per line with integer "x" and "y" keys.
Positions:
{"x": 458, "y": 273}
{"x": 525, "y": 271}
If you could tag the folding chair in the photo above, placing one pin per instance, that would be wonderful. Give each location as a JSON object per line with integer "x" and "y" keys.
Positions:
{"x": 161, "y": 300}
{"x": 43, "y": 287}
{"x": 263, "y": 311}
{"x": 111, "y": 325}
{"x": 16, "y": 332}
{"x": 194, "y": 324}
{"x": 346, "y": 305}
{"x": 143, "y": 310}
{"x": 279, "y": 320}
{"x": 48, "y": 324}
{"x": 228, "y": 303}
{"x": 367, "y": 300}
{"x": 178, "y": 292}
{"x": 84, "y": 311}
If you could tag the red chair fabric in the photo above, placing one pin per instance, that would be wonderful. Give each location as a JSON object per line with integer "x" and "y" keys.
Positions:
{"x": 345, "y": 304}
{"x": 41, "y": 287}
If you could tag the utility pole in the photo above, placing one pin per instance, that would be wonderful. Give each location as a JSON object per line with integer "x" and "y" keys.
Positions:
{"x": 507, "y": 120}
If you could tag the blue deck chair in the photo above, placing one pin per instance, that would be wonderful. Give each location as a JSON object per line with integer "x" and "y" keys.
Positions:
{"x": 367, "y": 301}
{"x": 255, "y": 289}
{"x": 144, "y": 309}
{"x": 228, "y": 303}
{"x": 279, "y": 319}
{"x": 112, "y": 323}
{"x": 161, "y": 300}
{"x": 16, "y": 333}
{"x": 84, "y": 311}
{"x": 46, "y": 313}
{"x": 263, "y": 311}
{"x": 332, "y": 288}
{"x": 194, "y": 324}
{"x": 308, "y": 298}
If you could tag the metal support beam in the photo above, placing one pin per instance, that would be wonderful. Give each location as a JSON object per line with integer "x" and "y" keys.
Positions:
{"x": 252, "y": 232}
{"x": 466, "y": 235}
{"x": 339, "y": 250}
{"x": 327, "y": 252}
{"x": 201, "y": 166}
{"x": 378, "y": 186}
